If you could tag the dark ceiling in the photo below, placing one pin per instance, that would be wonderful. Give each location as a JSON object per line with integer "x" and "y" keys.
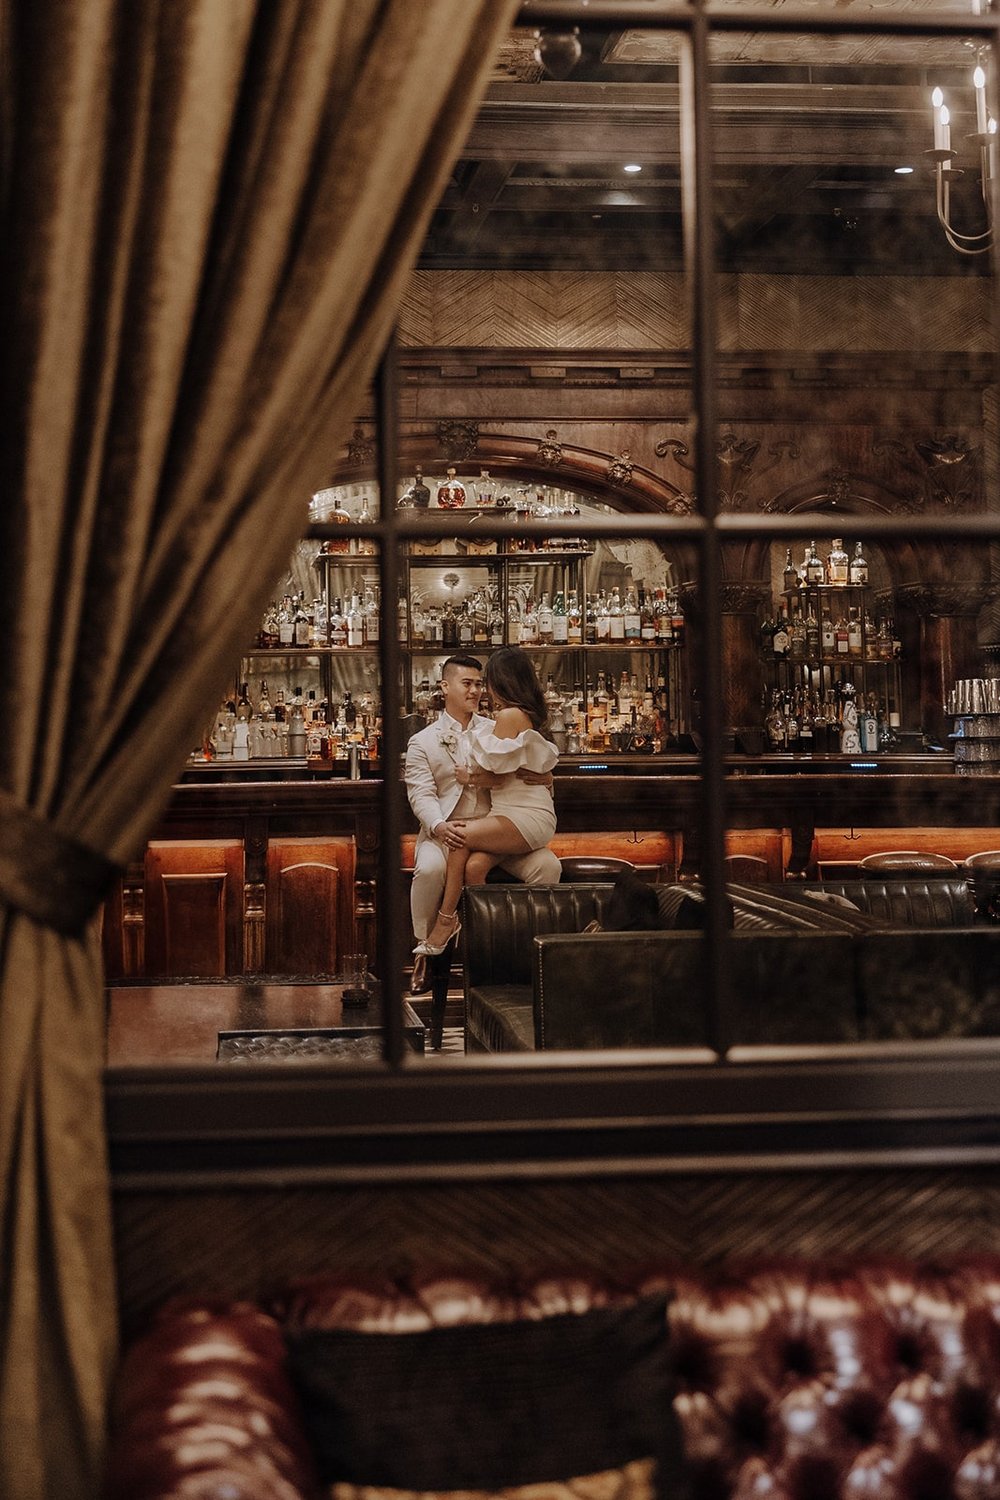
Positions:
{"x": 808, "y": 133}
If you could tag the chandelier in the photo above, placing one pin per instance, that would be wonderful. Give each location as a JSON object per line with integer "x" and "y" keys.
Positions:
{"x": 984, "y": 139}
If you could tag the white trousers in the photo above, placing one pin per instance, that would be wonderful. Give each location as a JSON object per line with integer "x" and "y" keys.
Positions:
{"x": 538, "y": 867}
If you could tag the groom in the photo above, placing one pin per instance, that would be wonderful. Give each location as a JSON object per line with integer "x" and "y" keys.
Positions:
{"x": 441, "y": 805}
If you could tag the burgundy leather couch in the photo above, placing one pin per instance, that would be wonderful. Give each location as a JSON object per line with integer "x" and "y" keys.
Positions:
{"x": 864, "y": 1381}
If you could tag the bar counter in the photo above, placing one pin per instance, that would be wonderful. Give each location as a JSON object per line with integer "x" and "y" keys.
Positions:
{"x": 262, "y": 869}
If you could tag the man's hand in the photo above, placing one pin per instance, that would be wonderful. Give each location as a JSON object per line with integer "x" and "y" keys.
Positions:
{"x": 451, "y": 834}
{"x": 477, "y": 778}
{"x": 534, "y": 778}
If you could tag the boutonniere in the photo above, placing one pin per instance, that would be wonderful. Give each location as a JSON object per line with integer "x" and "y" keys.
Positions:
{"x": 448, "y": 737}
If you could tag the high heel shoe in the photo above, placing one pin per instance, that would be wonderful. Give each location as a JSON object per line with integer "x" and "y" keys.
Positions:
{"x": 431, "y": 950}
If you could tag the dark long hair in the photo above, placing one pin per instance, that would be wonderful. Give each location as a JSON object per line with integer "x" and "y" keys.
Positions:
{"x": 511, "y": 679}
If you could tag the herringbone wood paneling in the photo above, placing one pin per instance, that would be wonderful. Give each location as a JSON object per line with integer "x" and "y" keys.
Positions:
{"x": 260, "y": 1238}
{"x": 647, "y": 310}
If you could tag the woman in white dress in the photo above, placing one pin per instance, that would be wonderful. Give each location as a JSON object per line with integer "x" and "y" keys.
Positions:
{"x": 522, "y": 815}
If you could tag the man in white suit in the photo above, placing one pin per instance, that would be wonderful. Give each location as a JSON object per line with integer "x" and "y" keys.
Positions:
{"x": 440, "y": 804}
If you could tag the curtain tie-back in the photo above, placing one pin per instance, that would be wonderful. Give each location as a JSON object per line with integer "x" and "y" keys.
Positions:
{"x": 46, "y": 874}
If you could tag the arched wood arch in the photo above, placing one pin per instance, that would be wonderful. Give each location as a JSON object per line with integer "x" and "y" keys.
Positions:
{"x": 585, "y": 470}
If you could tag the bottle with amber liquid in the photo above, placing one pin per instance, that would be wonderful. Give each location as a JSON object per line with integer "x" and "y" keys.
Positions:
{"x": 837, "y": 564}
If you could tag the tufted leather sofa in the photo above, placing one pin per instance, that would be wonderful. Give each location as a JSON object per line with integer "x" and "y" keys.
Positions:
{"x": 853, "y": 1381}
{"x": 803, "y": 971}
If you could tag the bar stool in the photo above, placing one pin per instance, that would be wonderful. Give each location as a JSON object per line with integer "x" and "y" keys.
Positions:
{"x": 983, "y": 873}
{"x": 578, "y": 868}
{"x": 750, "y": 869}
{"x": 897, "y": 864}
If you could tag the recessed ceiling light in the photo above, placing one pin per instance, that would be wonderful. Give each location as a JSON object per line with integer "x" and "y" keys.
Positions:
{"x": 631, "y": 166}
{"x": 902, "y": 171}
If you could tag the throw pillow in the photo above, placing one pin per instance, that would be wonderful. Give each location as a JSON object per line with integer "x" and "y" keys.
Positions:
{"x": 486, "y": 1407}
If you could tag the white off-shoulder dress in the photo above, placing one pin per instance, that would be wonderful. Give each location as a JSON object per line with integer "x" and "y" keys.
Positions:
{"x": 529, "y": 808}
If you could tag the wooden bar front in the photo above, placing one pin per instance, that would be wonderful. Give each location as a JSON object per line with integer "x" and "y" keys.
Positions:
{"x": 278, "y": 877}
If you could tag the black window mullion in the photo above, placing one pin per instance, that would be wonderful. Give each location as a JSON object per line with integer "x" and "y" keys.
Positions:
{"x": 697, "y": 177}
{"x": 390, "y": 896}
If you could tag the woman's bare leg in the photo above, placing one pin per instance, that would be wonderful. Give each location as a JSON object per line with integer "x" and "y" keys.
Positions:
{"x": 479, "y": 866}
{"x": 490, "y": 835}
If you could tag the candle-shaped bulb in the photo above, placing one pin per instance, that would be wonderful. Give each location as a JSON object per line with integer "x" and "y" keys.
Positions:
{"x": 937, "y": 99}
{"x": 979, "y": 79}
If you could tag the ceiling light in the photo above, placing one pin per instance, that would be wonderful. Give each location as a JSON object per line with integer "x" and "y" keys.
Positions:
{"x": 631, "y": 166}
{"x": 902, "y": 171}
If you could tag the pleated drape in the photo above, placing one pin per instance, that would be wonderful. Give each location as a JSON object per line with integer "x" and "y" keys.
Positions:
{"x": 210, "y": 209}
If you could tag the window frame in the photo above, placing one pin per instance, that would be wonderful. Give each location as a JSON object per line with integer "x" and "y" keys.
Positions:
{"x": 603, "y": 1114}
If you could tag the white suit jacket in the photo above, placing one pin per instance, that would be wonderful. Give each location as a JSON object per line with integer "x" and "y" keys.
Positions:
{"x": 432, "y": 757}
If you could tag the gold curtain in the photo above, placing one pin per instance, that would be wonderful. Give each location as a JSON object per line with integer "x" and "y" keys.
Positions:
{"x": 210, "y": 209}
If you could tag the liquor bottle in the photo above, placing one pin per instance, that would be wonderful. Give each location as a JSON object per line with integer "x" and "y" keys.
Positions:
{"x": 402, "y": 619}
{"x": 624, "y": 694}
{"x": 837, "y": 565}
{"x": 301, "y": 625}
{"x": 859, "y": 568}
{"x": 574, "y": 622}
{"x": 449, "y": 627}
{"x": 264, "y": 701}
{"x": 603, "y": 631}
{"x": 338, "y": 517}
{"x": 269, "y": 629}
{"x": 630, "y": 616}
{"x": 797, "y": 636}
{"x": 297, "y": 728}
{"x": 365, "y": 546}
{"x": 466, "y": 627}
{"x": 551, "y": 694}
{"x": 560, "y": 621}
{"x": 349, "y": 711}
{"x": 280, "y": 708}
{"x": 767, "y": 628}
{"x": 513, "y": 620}
{"x": 664, "y": 620}
{"x": 529, "y": 623}
{"x": 807, "y": 734}
{"x": 827, "y": 634}
{"x": 319, "y": 623}
{"x": 790, "y": 577}
{"x": 647, "y": 618}
{"x": 480, "y": 619}
{"x": 868, "y": 726}
{"x": 841, "y": 637}
{"x": 616, "y": 620}
{"x": 781, "y": 640}
{"x": 812, "y": 634}
{"x": 599, "y": 702}
{"x": 485, "y": 489}
{"x": 355, "y": 623}
{"x": 338, "y": 625}
{"x": 854, "y": 636}
{"x": 545, "y": 622}
{"x": 815, "y": 572}
{"x": 243, "y": 708}
{"x": 884, "y": 640}
{"x": 496, "y": 625}
{"x": 451, "y": 492}
{"x": 418, "y": 496}
{"x": 373, "y": 623}
{"x": 676, "y": 618}
{"x": 286, "y": 622}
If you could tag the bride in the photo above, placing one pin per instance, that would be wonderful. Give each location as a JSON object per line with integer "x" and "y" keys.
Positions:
{"x": 522, "y": 815}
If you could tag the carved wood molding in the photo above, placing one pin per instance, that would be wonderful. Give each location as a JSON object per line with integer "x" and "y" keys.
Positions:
{"x": 930, "y": 599}
{"x": 254, "y": 925}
